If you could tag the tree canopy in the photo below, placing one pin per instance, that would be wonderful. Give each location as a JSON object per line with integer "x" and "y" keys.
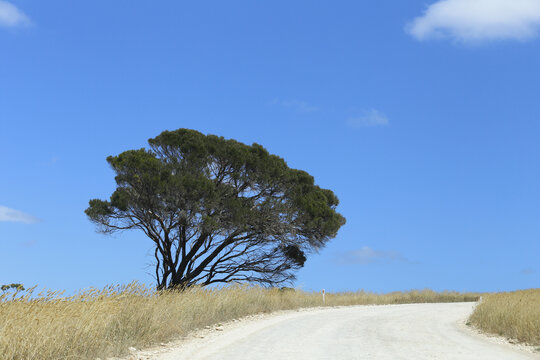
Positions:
{"x": 217, "y": 210}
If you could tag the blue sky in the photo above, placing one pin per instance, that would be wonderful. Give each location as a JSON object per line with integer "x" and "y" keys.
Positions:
{"x": 423, "y": 117}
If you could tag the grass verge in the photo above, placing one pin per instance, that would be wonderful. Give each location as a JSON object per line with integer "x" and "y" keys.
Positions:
{"x": 103, "y": 323}
{"x": 514, "y": 315}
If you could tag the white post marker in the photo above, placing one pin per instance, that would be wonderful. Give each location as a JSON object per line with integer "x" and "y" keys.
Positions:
{"x": 323, "y": 299}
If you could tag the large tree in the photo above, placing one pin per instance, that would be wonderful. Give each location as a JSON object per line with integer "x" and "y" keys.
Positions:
{"x": 217, "y": 210}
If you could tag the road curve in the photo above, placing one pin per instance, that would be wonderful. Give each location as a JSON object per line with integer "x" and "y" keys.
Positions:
{"x": 415, "y": 332}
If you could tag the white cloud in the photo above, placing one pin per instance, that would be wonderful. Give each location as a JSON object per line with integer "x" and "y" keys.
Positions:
{"x": 300, "y": 106}
{"x": 367, "y": 255}
{"x": 369, "y": 118}
{"x": 10, "y": 16}
{"x": 478, "y": 20}
{"x": 7, "y": 214}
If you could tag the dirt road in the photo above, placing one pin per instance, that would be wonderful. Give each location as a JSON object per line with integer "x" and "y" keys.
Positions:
{"x": 416, "y": 332}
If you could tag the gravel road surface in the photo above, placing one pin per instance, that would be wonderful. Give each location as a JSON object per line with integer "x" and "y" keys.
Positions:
{"x": 415, "y": 332}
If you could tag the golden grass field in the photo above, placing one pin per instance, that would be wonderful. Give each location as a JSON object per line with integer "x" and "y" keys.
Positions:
{"x": 102, "y": 323}
{"x": 515, "y": 315}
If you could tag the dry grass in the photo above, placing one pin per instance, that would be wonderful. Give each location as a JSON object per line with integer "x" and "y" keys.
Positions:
{"x": 102, "y": 323}
{"x": 515, "y": 315}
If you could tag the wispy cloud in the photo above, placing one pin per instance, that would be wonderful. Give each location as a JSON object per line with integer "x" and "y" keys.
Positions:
{"x": 367, "y": 255}
{"x": 478, "y": 20}
{"x": 527, "y": 271}
{"x": 29, "y": 243}
{"x": 10, "y": 16}
{"x": 369, "y": 118}
{"x": 11, "y": 215}
{"x": 297, "y": 105}
{"x": 51, "y": 161}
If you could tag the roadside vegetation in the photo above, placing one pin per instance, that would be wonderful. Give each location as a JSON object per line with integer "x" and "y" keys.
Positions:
{"x": 514, "y": 315}
{"x": 106, "y": 322}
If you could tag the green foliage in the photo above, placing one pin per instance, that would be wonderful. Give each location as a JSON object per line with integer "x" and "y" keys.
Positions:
{"x": 16, "y": 287}
{"x": 217, "y": 207}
